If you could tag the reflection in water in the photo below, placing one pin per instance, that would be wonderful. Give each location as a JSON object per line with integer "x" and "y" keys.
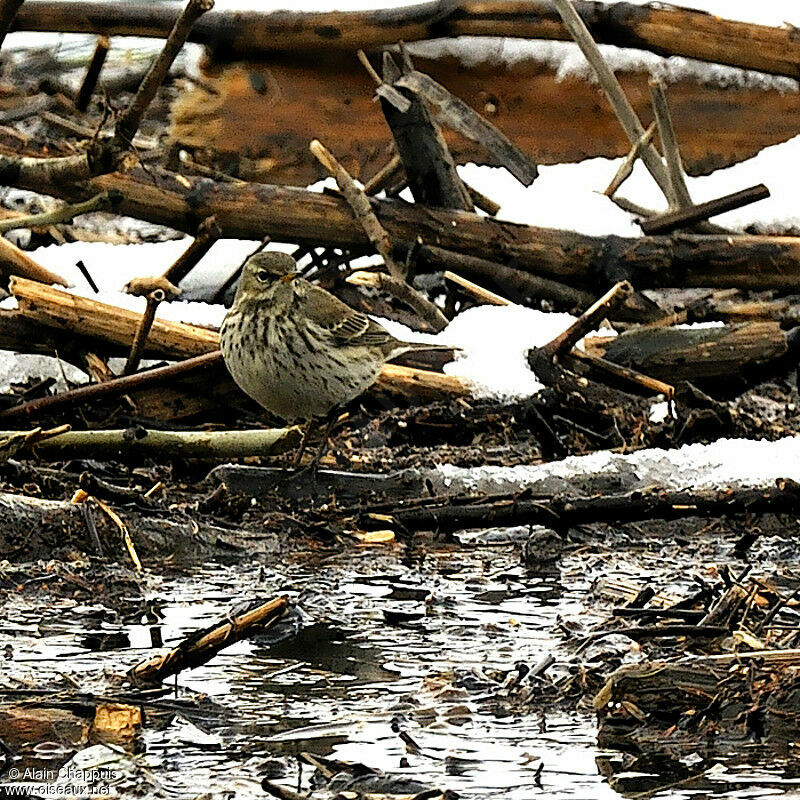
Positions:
{"x": 351, "y": 685}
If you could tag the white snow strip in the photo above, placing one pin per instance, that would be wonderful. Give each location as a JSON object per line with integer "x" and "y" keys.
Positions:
{"x": 726, "y": 462}
{"x": 567, "y": 61}
{"x": 569, "y": 196}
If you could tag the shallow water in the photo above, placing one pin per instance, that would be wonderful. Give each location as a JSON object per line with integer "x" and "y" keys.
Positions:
{"x": 335, "y": 691}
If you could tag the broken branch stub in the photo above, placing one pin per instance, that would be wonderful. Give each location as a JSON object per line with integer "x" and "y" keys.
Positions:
{"x": 587, "y": 321}
{"x": 360, "y": 205}
{"x": 457, "y": 115}
{"x": 429, "y": 166}
{"x": 130, "y": 119}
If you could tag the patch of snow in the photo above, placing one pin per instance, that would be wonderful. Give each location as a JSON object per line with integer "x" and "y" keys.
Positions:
{"x": 494, "y": 340}
{"x": 17, "y": 368}
{"x": 659, "y": 411}
{"x": 726, "y": 462}
{"x": 569, "y": 196}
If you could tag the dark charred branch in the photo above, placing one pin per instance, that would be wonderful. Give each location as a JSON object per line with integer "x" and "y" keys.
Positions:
{"x": 672, "y": 220}
{"x": 564, "y": 513}
{"x": 589, "y": 263}
{"x": 429, "y": 167}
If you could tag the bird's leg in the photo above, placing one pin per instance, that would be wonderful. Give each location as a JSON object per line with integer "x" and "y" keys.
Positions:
{"x": 303, "y": 442}
{"x": 323, "y": 446}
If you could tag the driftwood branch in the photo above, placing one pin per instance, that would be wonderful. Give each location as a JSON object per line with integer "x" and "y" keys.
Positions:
{"x": 252, "y": 210}
{"x": 616, "y": 96}
{"x": 626, "y": 167}
{"x": 569, "y": 512}
{"x": 88, "y": 317}
{"x": 428, "y": 164}
{"x": 672, "y": 220}
{"x": 140, "y": 443}
{"x": 201, "y": 646}
{"x": 587, "y": 321}
{"x": 92, "y": 73}
{"x": 14, "y": 261}
{"x": 114, "y": 387}
{"x": 669, "y": 144}
{"x": 427, "y": 311}
{"x": 100, "y": 202}
{"x": 361, "y": 207}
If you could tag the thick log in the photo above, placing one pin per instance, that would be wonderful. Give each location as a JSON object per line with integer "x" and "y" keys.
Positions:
{"x": 88, "y": 317}
{"x": 691, "y": 354}
{"x": 663, "y": 30}
{"x": 253, "y": 210}
{"x": 261, "y": 116}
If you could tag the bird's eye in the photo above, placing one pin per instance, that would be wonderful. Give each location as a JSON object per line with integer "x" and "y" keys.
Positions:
{"x": 262, "y": 275}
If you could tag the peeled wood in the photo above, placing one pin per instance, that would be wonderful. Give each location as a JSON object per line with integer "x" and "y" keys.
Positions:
{"x": 88, "y": 317}
{"x": 212, "y": 445}
{"x": 14, "y": 261}
{"x": 252, "y": 210}
{"x": 663, "y": 30}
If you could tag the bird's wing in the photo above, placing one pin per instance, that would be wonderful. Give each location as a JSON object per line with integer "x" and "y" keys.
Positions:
{"x": 345, "y": 326}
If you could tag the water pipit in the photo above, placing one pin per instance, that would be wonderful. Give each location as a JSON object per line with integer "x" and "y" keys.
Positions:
{"x": 296, "y": 349}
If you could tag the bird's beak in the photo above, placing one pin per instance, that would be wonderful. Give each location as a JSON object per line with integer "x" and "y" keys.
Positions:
{"x": 288, "y": 278}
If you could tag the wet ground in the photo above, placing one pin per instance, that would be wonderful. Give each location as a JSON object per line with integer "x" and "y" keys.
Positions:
{"x": 405, "y": 634}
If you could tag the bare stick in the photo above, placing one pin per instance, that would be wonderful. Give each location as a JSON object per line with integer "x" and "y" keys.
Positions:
{"x": 360, "y": 204}
{"x": 664, "y": 223}
{"x": 154, "y": 299}
{"x": 92, "y": 73}
{"x": 130, "y": 119}
{"x": 587, "y": 321}
{"x": 481, "y": 201}
{"x": 669, "y": 143}
{"x": 209, "y": 445}
{"x": 616, "y": 96}
{"x": 387, "y": 174}
{"x": 478, "y": 292}
{"x": 200, "y": 647}
{"x": 626, "y": 167}
{"x": 112, "y": 388}
{"x": 424, "y": 308}
{"x": 207, "y": 233}
{"x": 8, "y": 10}
{"x": 66, "y": 213}
{"x": 626, "y": 373}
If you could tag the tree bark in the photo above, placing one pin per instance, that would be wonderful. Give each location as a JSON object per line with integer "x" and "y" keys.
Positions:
{"x": 253, "y": 210}
{"x": 662, "y": 30}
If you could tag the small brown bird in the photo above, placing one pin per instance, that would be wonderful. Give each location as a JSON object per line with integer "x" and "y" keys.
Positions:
{"x": 296, "y": 349}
